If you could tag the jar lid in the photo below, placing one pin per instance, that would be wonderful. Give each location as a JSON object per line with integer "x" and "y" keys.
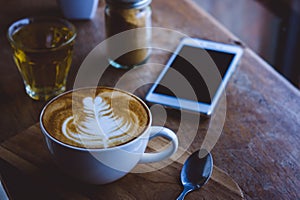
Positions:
{"x": 129, "y": 3}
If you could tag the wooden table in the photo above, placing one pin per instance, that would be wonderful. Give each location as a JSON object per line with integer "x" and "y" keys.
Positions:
{"x": 258, "y": 148}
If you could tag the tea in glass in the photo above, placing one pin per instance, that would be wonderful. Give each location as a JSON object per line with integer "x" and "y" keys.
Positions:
{"x": 42, "y": 50}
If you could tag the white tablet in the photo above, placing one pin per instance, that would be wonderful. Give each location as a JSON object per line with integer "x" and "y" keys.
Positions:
{"x": 195, "y": 75}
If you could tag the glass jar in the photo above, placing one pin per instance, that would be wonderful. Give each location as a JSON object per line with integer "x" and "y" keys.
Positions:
{"x": 123, "y": 15}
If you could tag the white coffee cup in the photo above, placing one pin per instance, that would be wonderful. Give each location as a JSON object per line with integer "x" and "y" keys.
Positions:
{"x": 78, "y": 9}
{"x": 105, "y": 165}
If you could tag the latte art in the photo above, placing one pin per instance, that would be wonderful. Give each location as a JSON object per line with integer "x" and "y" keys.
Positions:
{"x": 98, "y": 125}
{"x": 96, "y": 118}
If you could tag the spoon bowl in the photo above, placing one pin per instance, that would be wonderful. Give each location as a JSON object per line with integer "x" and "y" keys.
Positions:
{"x": 196, "y": 171}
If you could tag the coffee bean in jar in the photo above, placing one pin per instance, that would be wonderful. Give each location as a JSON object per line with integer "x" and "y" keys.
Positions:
{"x": 123, "y": 15}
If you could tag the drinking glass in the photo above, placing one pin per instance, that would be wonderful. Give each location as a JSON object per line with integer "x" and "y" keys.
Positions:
{"x": 42, "y": 50}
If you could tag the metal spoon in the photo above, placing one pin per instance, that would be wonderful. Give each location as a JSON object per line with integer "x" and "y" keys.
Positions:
{"x": 196, "y": 171}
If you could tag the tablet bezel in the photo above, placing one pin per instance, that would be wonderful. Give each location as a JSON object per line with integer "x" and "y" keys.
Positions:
{"x": 186, "y": 104}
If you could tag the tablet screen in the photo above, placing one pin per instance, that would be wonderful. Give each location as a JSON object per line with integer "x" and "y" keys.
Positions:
{"x": 191, "y": 63}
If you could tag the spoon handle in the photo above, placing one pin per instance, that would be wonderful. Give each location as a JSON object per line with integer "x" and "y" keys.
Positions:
{"x": 184, "y": 192}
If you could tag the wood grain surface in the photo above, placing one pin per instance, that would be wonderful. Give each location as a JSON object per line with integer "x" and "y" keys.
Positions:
{"x": 155, "y": 183}
{"x": 259, "y": 144}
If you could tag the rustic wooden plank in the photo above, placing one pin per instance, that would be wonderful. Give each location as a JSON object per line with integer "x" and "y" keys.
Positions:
{"x": 35, "y": 173}
{"x": 34, "y": 160}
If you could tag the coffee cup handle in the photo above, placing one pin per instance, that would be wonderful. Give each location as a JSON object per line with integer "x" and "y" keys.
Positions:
{"x": 156, "y": 131}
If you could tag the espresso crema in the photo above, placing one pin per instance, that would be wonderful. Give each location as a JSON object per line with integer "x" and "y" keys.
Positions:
{"x": 95, "y": 118}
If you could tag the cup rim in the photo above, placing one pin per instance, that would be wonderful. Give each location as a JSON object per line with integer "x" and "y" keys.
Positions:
{"x": 16, "y": 25}
{"x": 142, "y": 135}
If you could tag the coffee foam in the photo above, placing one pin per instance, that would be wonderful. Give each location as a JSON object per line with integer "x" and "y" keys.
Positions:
{"x": 95, "y": 118}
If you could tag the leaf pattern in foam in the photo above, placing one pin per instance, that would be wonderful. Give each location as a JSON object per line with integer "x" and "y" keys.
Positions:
{"x": 89, "y": 120}
{"x": 98, "y": 125}
{"x": 100, "y": 120}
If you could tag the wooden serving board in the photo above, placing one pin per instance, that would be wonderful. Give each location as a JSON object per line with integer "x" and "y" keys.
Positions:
{"x": 27, "y": 152}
